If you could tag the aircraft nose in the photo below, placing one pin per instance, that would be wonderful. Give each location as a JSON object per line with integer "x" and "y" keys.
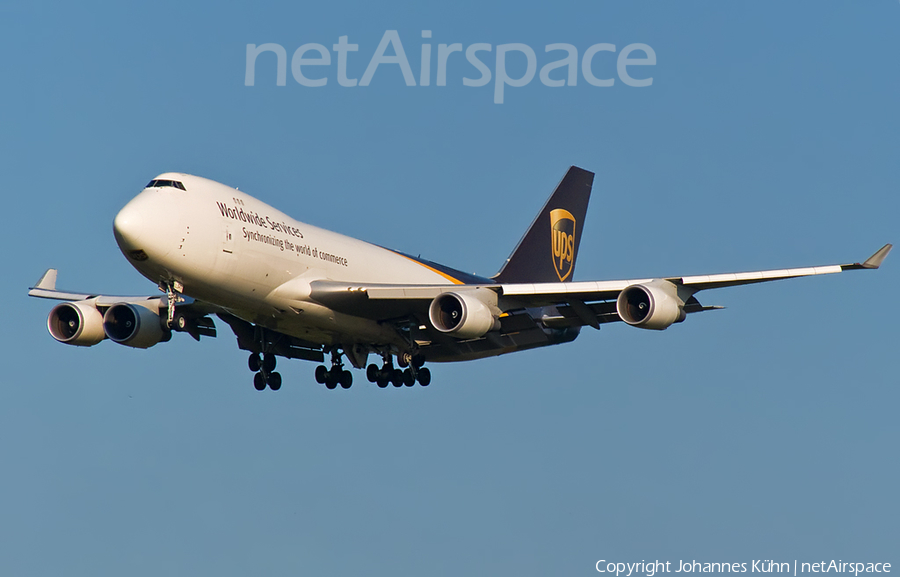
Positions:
{"x": 128, "y": 227}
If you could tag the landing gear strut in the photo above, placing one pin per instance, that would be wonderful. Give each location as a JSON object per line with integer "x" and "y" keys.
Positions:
{"x": 173, "y": 296}
{"x": 336, "y": 375}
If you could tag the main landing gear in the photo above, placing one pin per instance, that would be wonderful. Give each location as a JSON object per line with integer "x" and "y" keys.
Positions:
{"x": 265, "y": 371}
{"x": 413, "y": 371}
{"x": 336, "y": 375}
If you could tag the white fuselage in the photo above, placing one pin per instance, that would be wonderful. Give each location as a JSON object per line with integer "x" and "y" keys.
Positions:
{"x": 230, "y": 249}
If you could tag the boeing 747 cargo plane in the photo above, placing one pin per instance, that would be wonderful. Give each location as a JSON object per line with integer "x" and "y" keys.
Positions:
{"x": 289, "y": 289}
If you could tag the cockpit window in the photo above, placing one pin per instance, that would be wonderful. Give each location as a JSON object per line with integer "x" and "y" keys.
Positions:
{"x": 164, "y": 183}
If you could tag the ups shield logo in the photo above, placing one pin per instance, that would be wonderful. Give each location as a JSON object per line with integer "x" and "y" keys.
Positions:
{"x": 562, "y": 242}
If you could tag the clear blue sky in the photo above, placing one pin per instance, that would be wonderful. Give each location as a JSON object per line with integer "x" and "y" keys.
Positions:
{"x": 769, "y": 430}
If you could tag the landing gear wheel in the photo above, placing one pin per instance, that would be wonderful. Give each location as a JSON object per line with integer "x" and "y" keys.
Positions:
{"x": 268, "y": 362}
{"x": 253, "y": 362}
{"x": 331, "y": 379}
{"x": 372, "y": 373}
{"x": 321, "y": 374}
{"x": 180, "y": 322}
{"x": 418, "y": 360}
{"x": 409, "y": 379}
{"x": 403, "y": 360}
{"x": 423, "y": 375}
{"x": 382, "y": 379}
{"x": 259, "y": 381}
{"x": 274, "y": 381}
{"x": 397, "y": 378}
{"x": 346, "y": 379}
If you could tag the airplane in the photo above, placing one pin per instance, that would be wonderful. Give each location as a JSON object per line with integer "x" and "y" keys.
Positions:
{"x": 289, "y": 289}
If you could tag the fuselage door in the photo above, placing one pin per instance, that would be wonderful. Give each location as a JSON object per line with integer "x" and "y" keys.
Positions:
{"x": 228, "y": 240}
{"x": 226, "y": 257}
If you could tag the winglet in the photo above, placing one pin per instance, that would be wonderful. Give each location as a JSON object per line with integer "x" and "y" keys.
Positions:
{"x": 48, "y": 281}
{"x": 873, "y": 261}
{"x": 876, "y": 259}
{"x": 46, "y": 289}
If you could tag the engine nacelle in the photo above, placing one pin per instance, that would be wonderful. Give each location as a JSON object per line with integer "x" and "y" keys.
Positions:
{"x": 134, "y": 326}
{"x": 655, "y": 305}
{"x": 76, "y": 323}
{"x": 461, "y": 315}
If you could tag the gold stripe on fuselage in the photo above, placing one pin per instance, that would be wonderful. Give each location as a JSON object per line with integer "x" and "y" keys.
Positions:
{"x": 432, "y": 269}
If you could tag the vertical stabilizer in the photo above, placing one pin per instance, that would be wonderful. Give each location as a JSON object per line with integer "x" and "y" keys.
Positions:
{"x": 548, "y": 250}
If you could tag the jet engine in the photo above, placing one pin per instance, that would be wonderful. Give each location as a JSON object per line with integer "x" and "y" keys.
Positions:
{"x": 134, "y": 326}
{"x": 461, "y": 315}
{"x": 655, "y": 305}
{"x": 76, "y": 323}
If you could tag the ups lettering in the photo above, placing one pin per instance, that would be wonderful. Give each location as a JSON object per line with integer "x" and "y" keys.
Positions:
{"x": 563, "y": 246}
{"x": 562, "y": 242}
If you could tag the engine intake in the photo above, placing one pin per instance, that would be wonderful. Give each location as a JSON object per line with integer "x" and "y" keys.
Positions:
{"x": 655, "y": 305}
{"x": 134, "y": 326}
{"x": 461, "y": 315}
{"x": 76, "y": 323}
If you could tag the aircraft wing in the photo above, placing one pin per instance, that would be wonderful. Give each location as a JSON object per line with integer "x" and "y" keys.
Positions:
{"x": 603, "y": 290}
{"x": 384, "y": 301}
{"x": 46, "y": 289}
{"x": 196, "y": 310}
